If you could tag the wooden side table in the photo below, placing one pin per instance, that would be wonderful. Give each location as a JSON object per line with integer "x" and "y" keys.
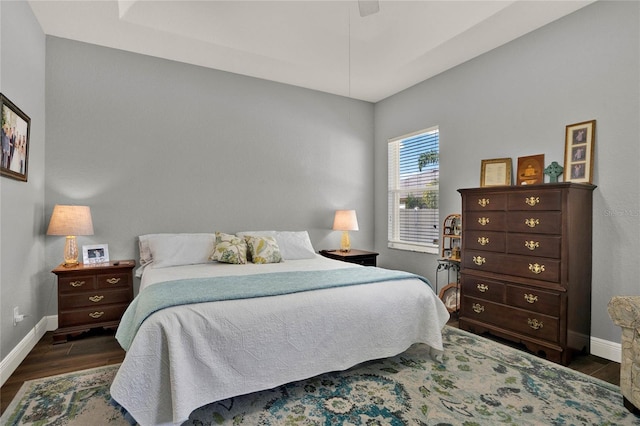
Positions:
{"x": 91, "y": 296}
{"x": 359, "y": 257}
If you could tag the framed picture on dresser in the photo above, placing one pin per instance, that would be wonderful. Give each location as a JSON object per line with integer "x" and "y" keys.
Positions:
{"x": 578, "y": 152}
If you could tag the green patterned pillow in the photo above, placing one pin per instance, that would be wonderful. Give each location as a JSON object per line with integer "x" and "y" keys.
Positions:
{"x": 263, "y": 249}
{"x": 229, "y": 249}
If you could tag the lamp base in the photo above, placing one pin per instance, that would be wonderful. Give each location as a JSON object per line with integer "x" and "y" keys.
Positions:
{"x": 345, "y": 242}
{"x": 70, "y": 252}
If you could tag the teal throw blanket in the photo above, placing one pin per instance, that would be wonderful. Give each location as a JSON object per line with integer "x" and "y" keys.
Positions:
{"x": 211, "y": 289}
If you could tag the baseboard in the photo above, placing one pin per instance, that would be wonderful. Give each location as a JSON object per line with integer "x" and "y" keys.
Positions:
{"x": 606, "y": 349}
{"x": 9, "y": 363}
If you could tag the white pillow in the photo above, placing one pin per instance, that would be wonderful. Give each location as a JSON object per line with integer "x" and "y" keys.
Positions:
{"x": 295, "y": 245}
{"x": 243, "y": 234}
{"x": 180, "y": 249}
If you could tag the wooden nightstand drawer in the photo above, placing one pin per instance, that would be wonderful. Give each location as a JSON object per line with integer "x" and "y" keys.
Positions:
{"x": 358, "y": 257}
{"x": 76, "y": 283}
{"x": 114, "y": 280}
{"x": 94, "y": 298}
{"x": 92, "y": 316}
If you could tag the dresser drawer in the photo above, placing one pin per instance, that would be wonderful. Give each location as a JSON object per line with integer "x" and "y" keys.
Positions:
{"x": 485, "y": 202}
{"x": 113, "y": 280}
{"x": 77, "y": 283}
{"x": 93, "y": 315}
{"x": 538, "y": 268}
{"x": 485, "y": 240}
{"x": 535, "y": 222}
{"x": 535, "y": 200}
{"x": 519, "y": 320}
{"x": 480, "y": 288}
{"x": 534, "y": 245}
{"x": 484, "y": 221}
{"x": 94, "y": 298}
{"x": 533, "y": 299}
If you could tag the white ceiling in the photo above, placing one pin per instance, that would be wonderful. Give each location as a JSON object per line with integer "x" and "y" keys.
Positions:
{"x": 321, "y": 45}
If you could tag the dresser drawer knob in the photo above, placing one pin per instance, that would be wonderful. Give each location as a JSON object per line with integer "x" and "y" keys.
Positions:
{"x": 483, "y": 221}
{"x": 536, "y": 269}
{"x": 483, "y": 241}
{"x": 532, "y": 201}
{"x": 479, "y": 260}
{"x": 483, "y": 202}
{"x": 477, "y": 308}
{"x": 96, "y": 298}
{"x": 96, "y": 315}
{"x": 535, "y": 324}
{"x": 530, "y": 298}
{"x": 113, "y": 280}
{"x": 531, "y": 223}
{"x": 482, "y": 288}
{"x": 77, "y": 283}
{"x": 532, "y": 245}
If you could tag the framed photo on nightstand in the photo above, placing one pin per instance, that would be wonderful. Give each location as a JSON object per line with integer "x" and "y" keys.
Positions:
{"x": 95, "y": 254}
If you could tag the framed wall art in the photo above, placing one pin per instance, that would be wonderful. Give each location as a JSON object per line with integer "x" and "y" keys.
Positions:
{"x": 578, "y": 152}
{"x": 530, "y": 170}
{"x": 94, "y": 254}
{"x": 496, "y": 172}
{"x": 15, "y": 140}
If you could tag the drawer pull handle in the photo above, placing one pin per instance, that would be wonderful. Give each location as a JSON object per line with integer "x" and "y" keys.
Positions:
{"x": 536, "y": 269}
{"x": 483, "y": 202}
{"x": 479, "y": 260}
{"x": 77, "y": 283}
{"x": 535, "y": 324}
{"x": 96, "y": 298}
{"x": 483, "y": 221}
{"x": 113, "y": 280}
{"x": 530, "y": 298}
{"x": 531, "y": 223}
{"x": 482, "y": 288}
{"x": 477, "y": 308}
{"x": 483, "y": 241}
{"x": 96, "y": 315}
{"x": 532, "y": 201}
{"x": 531, "y": 245}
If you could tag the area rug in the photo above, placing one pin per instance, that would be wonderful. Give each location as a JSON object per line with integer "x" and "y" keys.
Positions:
{"x": 477, "y": 382}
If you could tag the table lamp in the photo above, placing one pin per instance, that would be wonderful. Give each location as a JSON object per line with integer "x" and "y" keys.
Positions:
{"x": 345, "y": 221}
{"x": 70, "y": 221}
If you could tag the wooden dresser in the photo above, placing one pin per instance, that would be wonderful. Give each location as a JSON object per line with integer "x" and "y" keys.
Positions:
{"x": 526, "y": 266}
{"x": 91, "y": 296}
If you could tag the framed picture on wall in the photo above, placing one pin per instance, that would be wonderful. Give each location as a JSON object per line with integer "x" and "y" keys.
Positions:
{"x": 578, "y": 152}
{"x": 15, "y": 140}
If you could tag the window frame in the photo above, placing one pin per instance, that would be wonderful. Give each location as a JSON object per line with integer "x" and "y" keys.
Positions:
{"x": 395, "y": 194}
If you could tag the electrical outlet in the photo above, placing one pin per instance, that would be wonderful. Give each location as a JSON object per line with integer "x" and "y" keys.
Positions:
{"x": 17, "y": 316}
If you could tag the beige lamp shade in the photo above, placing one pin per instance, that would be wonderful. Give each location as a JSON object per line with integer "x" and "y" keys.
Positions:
{"x": 345, "y": 221}
{"x": 70, "y": 221}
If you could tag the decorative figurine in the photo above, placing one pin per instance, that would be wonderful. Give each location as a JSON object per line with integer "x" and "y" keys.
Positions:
{"x": 553, "y": 170}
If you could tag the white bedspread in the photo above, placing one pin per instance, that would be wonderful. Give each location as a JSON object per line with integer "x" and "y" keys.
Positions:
{"x": 187, "y": 356}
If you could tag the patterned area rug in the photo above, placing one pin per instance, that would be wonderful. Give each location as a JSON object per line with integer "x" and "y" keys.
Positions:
{"x": 478, "y": 382}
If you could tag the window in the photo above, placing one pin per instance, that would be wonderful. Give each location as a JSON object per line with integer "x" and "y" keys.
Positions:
{"x": 413, "y": 191}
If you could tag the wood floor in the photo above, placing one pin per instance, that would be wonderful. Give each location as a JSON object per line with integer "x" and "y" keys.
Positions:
{"x": 99, "y": 348}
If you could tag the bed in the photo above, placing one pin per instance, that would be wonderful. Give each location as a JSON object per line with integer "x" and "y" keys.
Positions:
{"x": 187, "y": 355}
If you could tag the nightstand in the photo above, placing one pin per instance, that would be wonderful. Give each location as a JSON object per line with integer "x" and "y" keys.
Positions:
{"x": 92, "y": 296}
{"x": 360, "y": 257}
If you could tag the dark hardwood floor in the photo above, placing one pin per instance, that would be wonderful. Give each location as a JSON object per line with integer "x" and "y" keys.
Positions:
{"x": 99, "y": 347}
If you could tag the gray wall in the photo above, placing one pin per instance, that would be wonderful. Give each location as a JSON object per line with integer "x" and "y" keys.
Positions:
{"x": 516, "y": 101}
{"x": 160, "y": 146}
{"x": 22, "y": 69}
